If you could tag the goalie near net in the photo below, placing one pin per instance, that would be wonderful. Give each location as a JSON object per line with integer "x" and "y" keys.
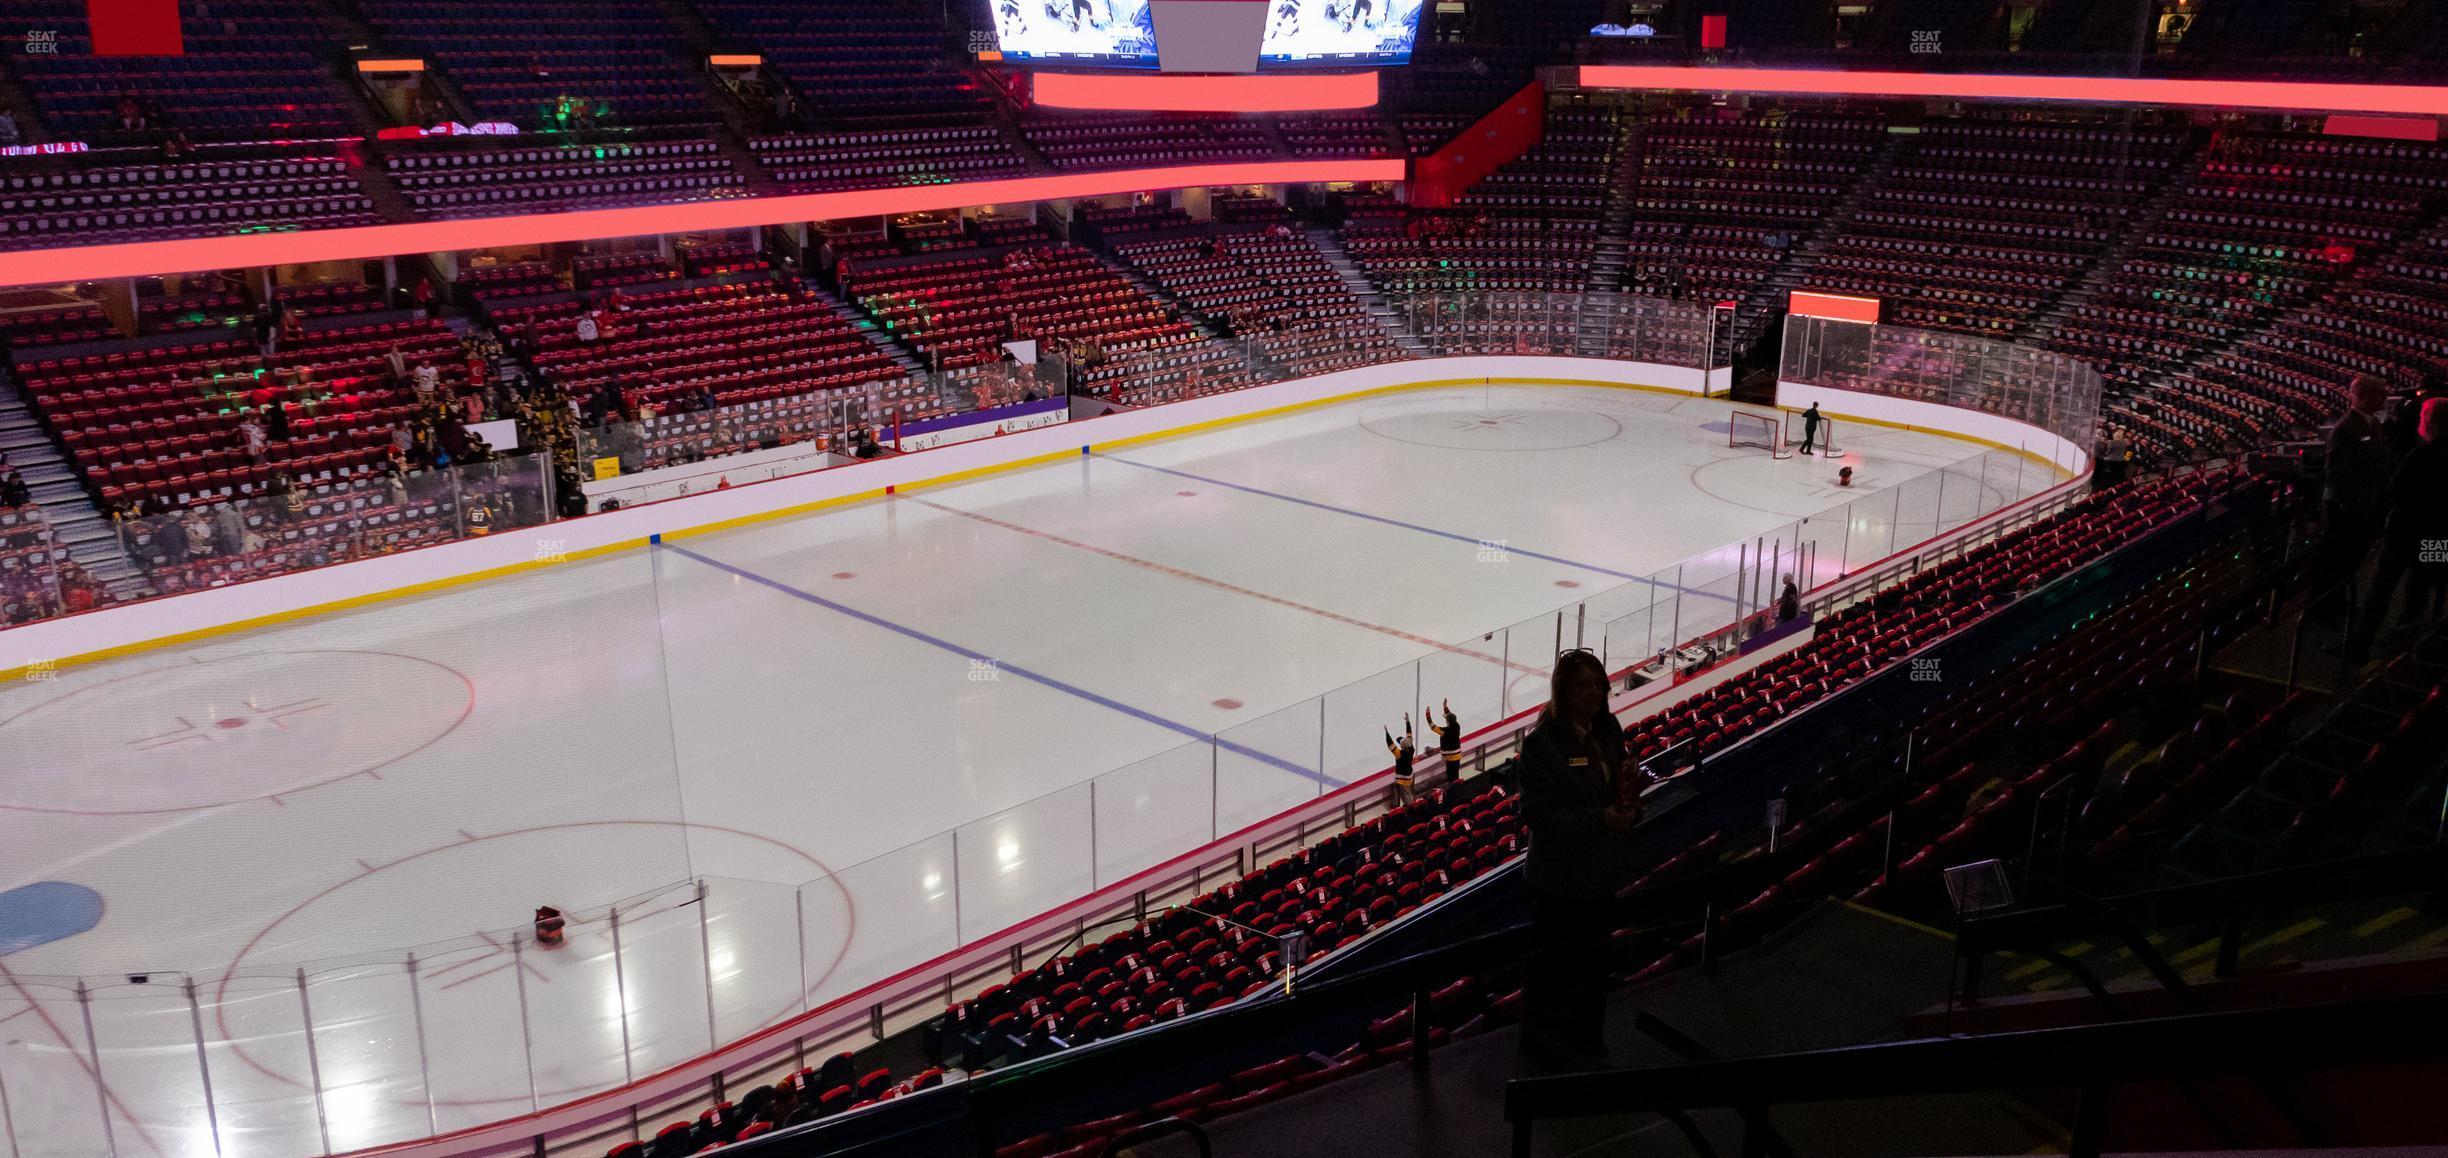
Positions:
{"x": 1779, "y": 434}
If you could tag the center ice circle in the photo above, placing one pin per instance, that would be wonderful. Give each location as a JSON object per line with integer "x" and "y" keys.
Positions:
{"x": 220, "y": 730}
{"x": 1513, "y": 429}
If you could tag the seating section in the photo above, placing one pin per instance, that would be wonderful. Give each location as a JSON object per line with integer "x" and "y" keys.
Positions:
{"x": 1879, "y": 829}
{"x": 1562, "y": 178}
{"x": 1967, "y": 807}
{"x": 484, "y": 285}
{"x": 858, "y": 59}
{"x": 1124, "y": 345}
{"x": 347, "y": 517}
{"x": 2370, "y": 760}
{"x": 760, "y": 419}
{"x": 252, "y": 70}
{"x": 530, "y": 63}
{"x": 2291, "y": 378}
{"x": 1531, "y": 225}
{"x": 2269, "y": 225}
{"x": 1425, "y": 133}
{"x": 162, "y": 312}
{"x": 705, "y": 258}
{"x": 84, "y": 205}
{"x": 1273, "y": 288}
{"x": 1082, "y": 142}
{"x": 1249, "y": 209}
{"x": 1849, "y": 648}
{"x": 1109, "y": 220}
{"x": 1723, "y": 201}
{"x": 812, "y": 1094}
{"x": 162, "y": 423}
{"x": 1979, "y": 225}
{"x": 1226, "y": 944}
{"x": 499, "y": 182}
{"x": 30, "y": 561}
{"x": 330, "y": 299}
{"x": 55, "y": 325}
{"x": 661, "y": 349}
{"x": 1345, "y": 136}
{"x": 943, "y": 234}
{"x": 1439, "y": 252}
{"x": 818, "y": 162}
{"x": 600, "y": 271}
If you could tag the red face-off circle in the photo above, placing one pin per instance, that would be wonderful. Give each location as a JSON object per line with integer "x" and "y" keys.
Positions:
{"x": 206, "y": 732}
{"x": 467, "y": 983}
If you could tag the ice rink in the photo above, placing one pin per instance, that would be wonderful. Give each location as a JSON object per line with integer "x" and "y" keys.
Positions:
{"x": 872, "y": 731}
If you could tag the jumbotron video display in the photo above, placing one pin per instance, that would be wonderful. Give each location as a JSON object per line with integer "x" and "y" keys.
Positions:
{"x": 1328, "y": 33}
{"x": 1108, "y": 33}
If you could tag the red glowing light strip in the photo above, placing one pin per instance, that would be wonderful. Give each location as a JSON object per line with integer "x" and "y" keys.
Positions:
{"x": 1839, "y": 307}
{"x": 2418, "y": 100}
{"x": 1272, "y": 92}
{"x": 197, "y": 254}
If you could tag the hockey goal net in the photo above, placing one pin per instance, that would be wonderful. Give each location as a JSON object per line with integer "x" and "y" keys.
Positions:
{"x": 1760, "y": 431}
{"x": 1795, "y": 428}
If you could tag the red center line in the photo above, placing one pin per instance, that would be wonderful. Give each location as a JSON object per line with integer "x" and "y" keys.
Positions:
{"x": 1221, "y": 585}
{"x": 82, "y": 1060}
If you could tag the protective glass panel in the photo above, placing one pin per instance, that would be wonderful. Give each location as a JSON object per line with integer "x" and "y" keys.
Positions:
{"x": 753, "y": 955}
{"x": 1666, "y": 613}
{"x": 255, "y": 1044}
{"x": 145, "y": 1035}
{"x": 1148, "y": 811}
{"x": 1025, "y": 860}
{"x": 367, "y": 1048}
{"x": 475, "y": 1027}
{"x": 1471, "y": 675}
{"x": 1360, "y": 715}
{"x": 663, "y": 970}
{"x": 578, "y": 1010}
{"x": 1916, "y": 510}
{"x": 55, "y": 1108}
{"x": 1870, "y": 528}
{"x": 1530, "y": 651}
{"x": 873, "y": 919}
{"x": 1267, "y": 765}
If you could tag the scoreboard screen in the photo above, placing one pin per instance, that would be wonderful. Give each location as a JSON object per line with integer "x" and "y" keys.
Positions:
{"x": 1338, "y": 33}
{"x": 1104, "y": 33}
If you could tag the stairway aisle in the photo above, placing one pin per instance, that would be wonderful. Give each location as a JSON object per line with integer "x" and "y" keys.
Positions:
{"x": 75, "y": 521}
{"x": 1608, "y": 259}
{"x": 1612, "y": 252}
{"x": 1803, "y": 254}
{"x": 2138, "y": 225}
{"x": 901, "y": 354}
{"x": 1379, "y": 307}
